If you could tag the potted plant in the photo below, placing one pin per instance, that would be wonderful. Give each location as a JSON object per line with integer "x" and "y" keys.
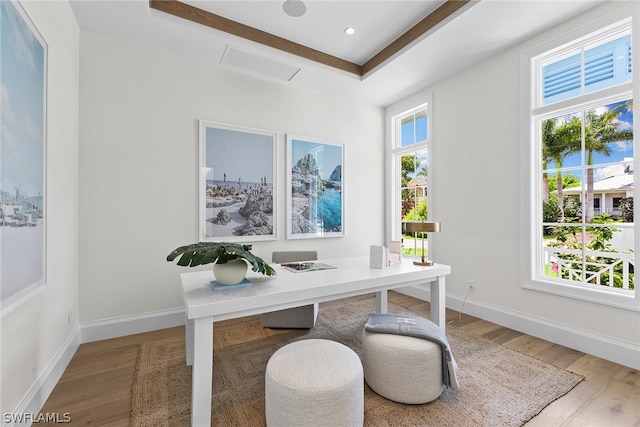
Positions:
{"x": 230, "y": 260}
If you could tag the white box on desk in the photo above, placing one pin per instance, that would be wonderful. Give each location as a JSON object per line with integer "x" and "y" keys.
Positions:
{"x": 378, "y": 256}
{"x": 395, "y": 252}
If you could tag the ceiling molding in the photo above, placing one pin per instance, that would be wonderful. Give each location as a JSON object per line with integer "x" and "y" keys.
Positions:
{"x": 203, "y": 17}
{"x": 429, "y": 22}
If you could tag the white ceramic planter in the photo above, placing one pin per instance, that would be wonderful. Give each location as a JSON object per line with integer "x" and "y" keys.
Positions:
{"x": 230, "y": 273}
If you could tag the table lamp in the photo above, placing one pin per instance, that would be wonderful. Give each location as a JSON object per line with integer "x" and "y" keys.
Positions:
{"x": 422, "y": 227}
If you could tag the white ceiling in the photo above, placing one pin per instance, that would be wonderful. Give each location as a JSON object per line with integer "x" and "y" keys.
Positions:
{"x": 478, "y": 31}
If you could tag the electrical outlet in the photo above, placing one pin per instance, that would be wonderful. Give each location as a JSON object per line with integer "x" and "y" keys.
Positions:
{"x": 472, "y": 285}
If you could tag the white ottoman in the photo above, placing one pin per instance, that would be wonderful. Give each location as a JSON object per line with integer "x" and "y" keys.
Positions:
{"x": 402, "y": 368}
{"x": 314, "y": 382}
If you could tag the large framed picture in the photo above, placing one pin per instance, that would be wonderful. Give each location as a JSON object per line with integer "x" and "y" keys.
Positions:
{"x": 237, "y": 191}
{"x": 315, "y": 190}
{"x": 23, "y": 55}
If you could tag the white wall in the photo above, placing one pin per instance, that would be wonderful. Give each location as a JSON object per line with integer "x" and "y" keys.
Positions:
{"x": 133, "y": 134}
{"x": 42, "y": 331}
{"x": 138, "y": 166}
{"x": 476, "y": 195}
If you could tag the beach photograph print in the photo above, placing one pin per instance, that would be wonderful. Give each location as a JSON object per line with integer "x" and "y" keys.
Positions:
{"x": 23, "y": 58}
{"x": 315, "y": 196}
{"x": 237, "y": 192}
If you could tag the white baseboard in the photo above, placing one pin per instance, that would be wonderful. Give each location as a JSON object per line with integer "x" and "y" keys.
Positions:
{"x": 622, "y": 352}
{"x": 39, "y": 392}
{"x": 129, "y": 325}
{"x": 32, "y": 403}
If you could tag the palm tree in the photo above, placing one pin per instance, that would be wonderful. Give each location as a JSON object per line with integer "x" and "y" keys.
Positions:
{"x": 558, "y": 142}
{"x": 600, "y": 131}
{"x": 548, "y": 127}
{"x": 408, "y": 164}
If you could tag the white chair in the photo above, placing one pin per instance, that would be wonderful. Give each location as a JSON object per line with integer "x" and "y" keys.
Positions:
{"x": 314, "y": 382}
{"x": 298, "y": 317}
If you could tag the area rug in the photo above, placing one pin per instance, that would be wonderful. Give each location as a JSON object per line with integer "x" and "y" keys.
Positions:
{"x": 499, "y": 386}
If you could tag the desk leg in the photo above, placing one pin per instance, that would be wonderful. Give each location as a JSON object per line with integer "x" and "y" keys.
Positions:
{"x": 188, "y": 337}
{"x": 381, "y": 302}
{"x": 438, "y": 304}
{"x": 202, "y": 372}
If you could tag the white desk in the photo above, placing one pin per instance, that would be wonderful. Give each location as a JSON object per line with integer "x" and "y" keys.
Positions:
{"x": 351, "y": 277}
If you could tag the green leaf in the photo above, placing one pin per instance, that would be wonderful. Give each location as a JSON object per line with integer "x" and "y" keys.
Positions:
{"x": 202, "y": 253}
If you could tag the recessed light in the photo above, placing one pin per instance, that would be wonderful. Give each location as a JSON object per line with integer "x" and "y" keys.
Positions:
{"x": 294, "y": 8}
{"x": 349, "y": 30}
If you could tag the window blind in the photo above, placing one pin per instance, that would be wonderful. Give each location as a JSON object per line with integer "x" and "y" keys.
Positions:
{"x": 600, "y": 67}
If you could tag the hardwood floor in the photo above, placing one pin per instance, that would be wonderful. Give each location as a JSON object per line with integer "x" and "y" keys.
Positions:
{"x": 95, "y": 389}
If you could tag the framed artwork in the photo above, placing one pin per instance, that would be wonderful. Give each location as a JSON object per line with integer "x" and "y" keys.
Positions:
{"x": 23, "y": 55}
{"x": 315, "y": 191}
{"x": 237, "y": 191}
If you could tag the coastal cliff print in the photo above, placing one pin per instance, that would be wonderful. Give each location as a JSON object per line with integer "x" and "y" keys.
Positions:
{"x": 315, "y": 197}
{"x": 23, "y": 63}
{"x": 237, "y": 191}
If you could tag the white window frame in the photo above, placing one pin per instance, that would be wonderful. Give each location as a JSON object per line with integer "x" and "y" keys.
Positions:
{"x": 530, "y": 158}
{"x": 393, "y": 229}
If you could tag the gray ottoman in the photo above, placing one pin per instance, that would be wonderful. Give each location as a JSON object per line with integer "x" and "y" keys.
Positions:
{"x": 314, "y": 382}
{"x": 402, "y": 368}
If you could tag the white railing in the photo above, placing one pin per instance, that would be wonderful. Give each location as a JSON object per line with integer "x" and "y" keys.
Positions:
{"x": 609, "y": 211}
{"x": 594, "y": 270}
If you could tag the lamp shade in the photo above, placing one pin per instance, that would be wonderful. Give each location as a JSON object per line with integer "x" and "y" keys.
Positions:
{"x": 421, "y": 227}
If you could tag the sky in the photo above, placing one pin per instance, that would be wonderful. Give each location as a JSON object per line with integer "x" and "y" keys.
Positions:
{"x": 240, "y": 155}
{"x": 619, "y": 150}
{"x": 328, "y": 155}
{"x": 22, "y": 63}
{"x": 413, "y": 131}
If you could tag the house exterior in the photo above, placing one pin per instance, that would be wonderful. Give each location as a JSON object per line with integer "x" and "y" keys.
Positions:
{"x": 608, "y": 192}
{"x": 419, "y": 185}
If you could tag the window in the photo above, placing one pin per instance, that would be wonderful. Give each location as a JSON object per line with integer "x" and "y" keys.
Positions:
{"x": 616, "y": 203}
{"x": 409, "y": 167}
{"x": 587, "y": 69}
{"x": 580, "y": 231}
